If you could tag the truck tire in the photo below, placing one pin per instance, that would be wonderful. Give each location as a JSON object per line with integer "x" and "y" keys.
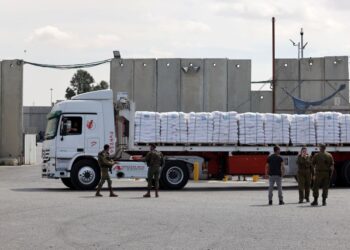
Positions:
{"x": 67, "y": 182}
{"x": 346, "y": 173}
{"x": 85, "y": 174}
{"x": 174, "y": 175}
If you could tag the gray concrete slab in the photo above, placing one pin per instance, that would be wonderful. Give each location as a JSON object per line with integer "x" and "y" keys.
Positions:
{"x": 337, "y": 73}
{"x": 312, "y": 68}
{"x": 284, "y": 103}
{"x": 35, "y": 119}
{"x": 215, "y": 85}
{"x": 286, "y": 69}
{"x": 168, "y": 85}
{"x": 1, "y": 106}
{"x": 11, "y": 139}
{"x": 261, "y": 101}
{"x": 145, "y": 91}
{"x": 39, "y": 213}
{"x": 122, "y": 77}
{"x": 239, "y": 85}
{"x": 192, "y": 86}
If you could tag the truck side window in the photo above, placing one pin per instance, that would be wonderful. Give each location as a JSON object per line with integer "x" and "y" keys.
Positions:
{"x": 73, "y": 125}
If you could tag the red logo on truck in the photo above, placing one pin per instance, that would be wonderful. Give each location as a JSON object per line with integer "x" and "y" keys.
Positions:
{"x": 90, "y": 124}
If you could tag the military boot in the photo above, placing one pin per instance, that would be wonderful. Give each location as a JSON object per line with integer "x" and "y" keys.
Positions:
{"x": 315, "y": 202}
{"x": 324, "y": 203}
{"x": 111, "y": 193}
{"x": 98, "y": 192}
{"x": 301, "y": 197}
{"x": 148, "y": 194}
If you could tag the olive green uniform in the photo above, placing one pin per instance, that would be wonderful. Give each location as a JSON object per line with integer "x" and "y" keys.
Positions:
{"x": 304, "y": 176}
{"x": 105, "y": 164}
{"x": 322, "y": 163}
{"x": 154, "y": 160}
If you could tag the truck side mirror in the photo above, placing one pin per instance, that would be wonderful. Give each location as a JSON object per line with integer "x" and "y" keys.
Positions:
{"x": 64, "y": 130}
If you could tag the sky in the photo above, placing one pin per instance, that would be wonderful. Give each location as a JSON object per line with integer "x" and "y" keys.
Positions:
{"x": 76, "y": 31}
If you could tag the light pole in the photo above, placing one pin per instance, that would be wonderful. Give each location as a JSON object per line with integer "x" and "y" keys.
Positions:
{"x": 297, "y": 45}
{"x": 51, "y": 89}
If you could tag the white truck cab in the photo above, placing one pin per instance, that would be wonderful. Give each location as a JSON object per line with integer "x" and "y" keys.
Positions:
{"x": 77, "y": 130}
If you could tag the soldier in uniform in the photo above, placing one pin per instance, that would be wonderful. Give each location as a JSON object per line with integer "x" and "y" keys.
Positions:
{"x": 105, "y": 164}
{"x": 154, "y": 161}
{"x": 304, "y": 175}
{"x": 323, "y": 164}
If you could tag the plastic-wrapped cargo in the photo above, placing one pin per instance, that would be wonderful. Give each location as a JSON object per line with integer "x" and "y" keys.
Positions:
{"x": 328, "y": 127}
{"x": 173, "y": 127}
{"x": 200, "y": 127}
{"x": 251, "y": 129}
{"x": 147, "y": 127}
{"x": 225, "y": 127}
{"x": 345, "y": 128}
{"x": 277, "y": 129}
{"x": 302, "y": 130}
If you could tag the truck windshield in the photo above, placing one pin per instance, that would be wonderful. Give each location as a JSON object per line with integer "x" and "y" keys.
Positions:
{"x": 52, "y": 124}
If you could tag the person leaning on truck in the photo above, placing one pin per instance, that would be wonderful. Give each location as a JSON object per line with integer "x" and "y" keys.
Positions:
{"x": 155, "y": 161}
{"x": 105, "y": 164}
{"x": 304, "y": 175}
{"x": 275, "y": 171}
{"x": 323, "y": 164}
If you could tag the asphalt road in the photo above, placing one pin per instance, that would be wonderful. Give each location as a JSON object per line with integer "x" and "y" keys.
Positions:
{"x": 39, "y": 213}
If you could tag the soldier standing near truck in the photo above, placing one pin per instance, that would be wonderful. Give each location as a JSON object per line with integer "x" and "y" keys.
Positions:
{"x": 323, "y": 164}
{"x": 155, "y": 161}
{"x": 105, "y": 164}
{"x": 304, "y": 175}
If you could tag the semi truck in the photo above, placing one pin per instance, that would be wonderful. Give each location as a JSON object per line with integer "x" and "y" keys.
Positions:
{"x": 77, "y": 130}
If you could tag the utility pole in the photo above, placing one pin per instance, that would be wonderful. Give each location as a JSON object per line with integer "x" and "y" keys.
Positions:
{"x": 302, "y": 47}
{"x": 51, "y": 89}
{"x": 273, "y": 67}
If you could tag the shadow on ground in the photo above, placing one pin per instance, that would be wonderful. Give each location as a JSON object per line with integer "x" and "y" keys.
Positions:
{"x": 137, "y": 189}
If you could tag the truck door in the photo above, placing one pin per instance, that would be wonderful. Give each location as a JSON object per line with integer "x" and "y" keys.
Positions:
{"x": 70, "y": 137}
{"x": 93, "y": 132}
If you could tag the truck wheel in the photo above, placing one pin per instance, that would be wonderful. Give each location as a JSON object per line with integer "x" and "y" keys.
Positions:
{"x": 85, "y": 175}
{"x": 67, "y": 182}
{"x": 174, "y": 175}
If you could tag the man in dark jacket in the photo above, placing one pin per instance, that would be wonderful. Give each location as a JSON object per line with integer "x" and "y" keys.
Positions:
{"x": 275, "y": 171}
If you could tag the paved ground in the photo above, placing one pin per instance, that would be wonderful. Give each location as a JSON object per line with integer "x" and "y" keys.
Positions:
{"x": 38, "y": 213}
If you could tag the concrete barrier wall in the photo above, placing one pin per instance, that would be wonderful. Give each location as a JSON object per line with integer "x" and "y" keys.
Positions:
{"x": 239, "y": 86}
{"x": 35, "y": 119}
{"x": 319, "y": 78}
{"x": 11, "y": 99}
{"x": 168, "y": 85}
{"x": 191, "y": 84}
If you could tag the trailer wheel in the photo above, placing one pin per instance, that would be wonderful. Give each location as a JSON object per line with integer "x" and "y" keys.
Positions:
{"x": 346, "y": 173}
{"x": 67, "y": 182}
{"x": 174, "y": 175}
{"x": 85, "y": 175}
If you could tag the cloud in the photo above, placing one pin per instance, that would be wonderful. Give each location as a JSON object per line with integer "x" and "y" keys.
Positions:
{"x": 49, "y": 33}
{"x": 195, "y": 26}
{"x": 104, "y": 40}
